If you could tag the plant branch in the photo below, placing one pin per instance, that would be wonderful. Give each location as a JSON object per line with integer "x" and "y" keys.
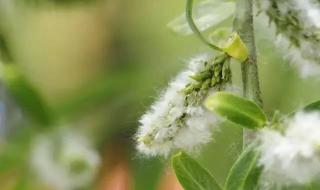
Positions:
{"x": 244, "y": 26}
{"x": 194, "y": 28}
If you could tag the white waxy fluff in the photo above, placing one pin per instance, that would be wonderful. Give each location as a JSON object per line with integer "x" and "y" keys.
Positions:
{"x": 301, "y": 58}
{"x": 292, "y": 158}
{"x": 160, "y": 132}
{"x": 304, "y": 57}
{"x": 309, "y": 12}
{"x": 53, "y": 156}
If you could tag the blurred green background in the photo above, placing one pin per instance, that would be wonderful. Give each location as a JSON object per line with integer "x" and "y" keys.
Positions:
{"x": 99, "y": 65}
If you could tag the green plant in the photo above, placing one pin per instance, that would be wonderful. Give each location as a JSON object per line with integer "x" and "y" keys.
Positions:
{"x": 278, "y": 153}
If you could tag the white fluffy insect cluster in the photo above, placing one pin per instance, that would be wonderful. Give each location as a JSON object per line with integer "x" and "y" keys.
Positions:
{"x": 310, "y": 12}
{"x": 172, "y": 124}
{"x": 298, "y": 56}
{"x": 292, "y": 157}
{"x": 65, "y": 160}
{"x": 296, "y": 25}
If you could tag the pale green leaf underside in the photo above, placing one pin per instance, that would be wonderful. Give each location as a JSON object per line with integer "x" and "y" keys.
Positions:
{"x": 191, "y": 175}
{"x": 206, "y": 14}
{"x": 236, "y": 109}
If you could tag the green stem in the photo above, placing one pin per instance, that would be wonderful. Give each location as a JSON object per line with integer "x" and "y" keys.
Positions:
{"x": 244, "y": 26}
{"x": 194, "y": 27}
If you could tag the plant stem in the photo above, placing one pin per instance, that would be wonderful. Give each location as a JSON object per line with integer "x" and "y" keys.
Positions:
{"x": 194, "y": 28}
{"x": 244, "y": 26}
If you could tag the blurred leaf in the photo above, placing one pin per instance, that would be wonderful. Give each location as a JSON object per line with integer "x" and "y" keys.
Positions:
{"x": 97, "y": 92}
{"x": 25, "y": 95}
{"x": 236, "y": 109}
{"x": 244, "y": 174}
{"x": 315, "y": 106}
{"x": 147, "y": 173}
{"x": 4, "y": 49}
{"x": 313, "y": 185}
{"x": 14, "y": 153}
{"x": 191, "y": 175}
{"x": 24, "y": 181}
{"x": 206, "y": 14}
{"x": 220, "y": 35}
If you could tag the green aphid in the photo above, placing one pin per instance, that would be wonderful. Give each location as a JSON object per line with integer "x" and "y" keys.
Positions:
{"x": 217, "y": 71}
{"x": 218, "y": 79}
{"x": 192, "y": 87}
{"x": 206, "y": 84}
{"x": 188, "y": 89}
{"x": 213, "y": 81}
{"x": 226, "y": 72}
{"x": 220, "y": 59}
{"x": 202, "y": 76}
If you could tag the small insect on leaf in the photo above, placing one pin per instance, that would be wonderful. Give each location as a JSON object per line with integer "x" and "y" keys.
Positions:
{"x": 191, "y": 175}
{"x": 236, "y": 109}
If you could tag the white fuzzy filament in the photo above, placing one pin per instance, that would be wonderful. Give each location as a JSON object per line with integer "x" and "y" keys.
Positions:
{"x": 292, "y": 158}
{"x": 161, "y": 130}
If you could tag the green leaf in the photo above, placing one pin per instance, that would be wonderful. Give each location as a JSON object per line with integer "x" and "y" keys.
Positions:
{"x": 15, "y": 153}
{"x": 244, "y": 174}
{"x": 191, "y": 175}
{"x": 207, "y": 14}
{"x": 315, "y": 106}
{"x": 220, "y": 35}
{"x": 25, "y": 95}
{"x": 236, "y": 109}
{"x": 147, "y": 172}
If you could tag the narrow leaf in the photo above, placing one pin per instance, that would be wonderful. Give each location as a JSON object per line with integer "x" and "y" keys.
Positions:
{"x": 25, "y": 95}
{"x": 237, "y": 109}
{"x": 315, "y": 106}
{"x": 244, "y": 174}
{"x": 206, "y": 14}
{"x": 191, "y": 175}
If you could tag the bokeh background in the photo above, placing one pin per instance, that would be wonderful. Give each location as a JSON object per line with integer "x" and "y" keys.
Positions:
{"x": 95, "y": 67}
